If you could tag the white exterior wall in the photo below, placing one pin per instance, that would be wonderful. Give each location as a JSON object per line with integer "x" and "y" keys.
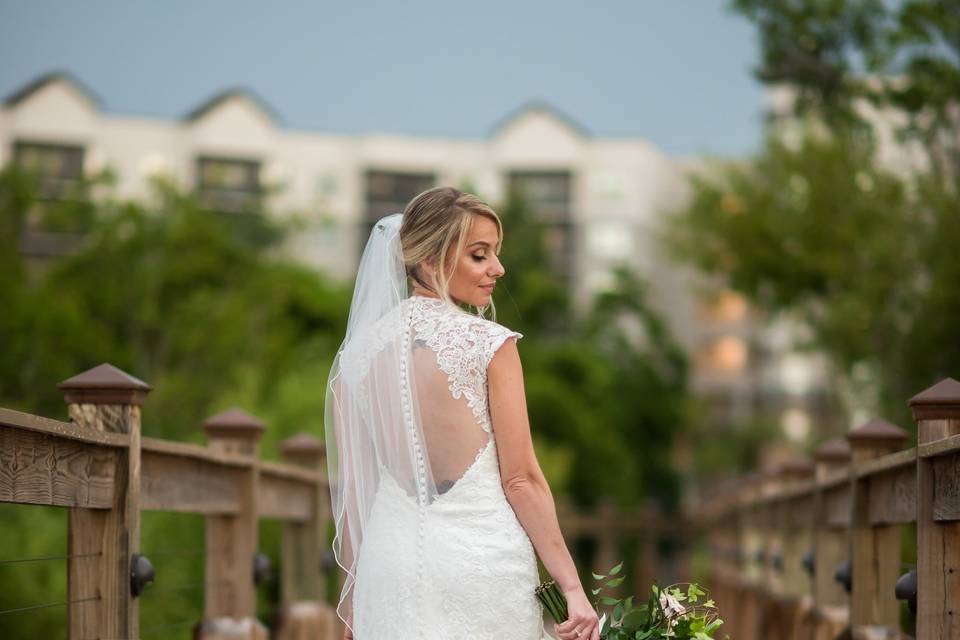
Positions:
{"x": 621, "y": 186}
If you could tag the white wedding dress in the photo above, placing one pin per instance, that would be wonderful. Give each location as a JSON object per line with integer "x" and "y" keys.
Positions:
{"x": 461, "y": 567}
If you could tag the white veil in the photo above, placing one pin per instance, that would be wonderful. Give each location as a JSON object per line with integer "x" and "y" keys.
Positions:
{"x": 372, "y": 418}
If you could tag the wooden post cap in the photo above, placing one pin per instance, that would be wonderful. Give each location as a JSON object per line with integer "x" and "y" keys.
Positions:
{"x": 104, "y": 384}
{"x": 233, "y": 423}
{"x": 303, "y": 443}
{"x": 939, "y": 402}
{"x": 834, "y": 451}
{"x": 877, "y": 432}
{"x": 796, "y": 469}
{"x": 303, "y": 449}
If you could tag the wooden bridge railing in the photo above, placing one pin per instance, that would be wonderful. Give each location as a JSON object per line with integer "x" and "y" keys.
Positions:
{"x": 813, "y": 550}
{"x": 100, "y": 468}
{"x": 612, "y": 530}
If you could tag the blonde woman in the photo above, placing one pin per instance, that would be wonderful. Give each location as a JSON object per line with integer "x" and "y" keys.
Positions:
{"x": 438, "y": 499}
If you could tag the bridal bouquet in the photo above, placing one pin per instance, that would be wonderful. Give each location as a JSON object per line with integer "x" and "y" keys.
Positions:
{"x": 678, "y": 611}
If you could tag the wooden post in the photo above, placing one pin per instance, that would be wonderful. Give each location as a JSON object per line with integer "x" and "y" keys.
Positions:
{"x": 646, "y": 569}
{"x": 100, "y": 542}
{"x": 303, "y": 590}
{"x": 751, "y": 611}
{"x": 795, "y": 521}
{"x": 232, "y": 539}
{"x": 608, "y": 552}
{"x": 937, "y": 412}
{"x": 830, "y": 546}
{"x": 874, "y": 550}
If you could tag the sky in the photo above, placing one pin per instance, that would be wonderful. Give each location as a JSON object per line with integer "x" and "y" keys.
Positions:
{"x": 674, "y": 72}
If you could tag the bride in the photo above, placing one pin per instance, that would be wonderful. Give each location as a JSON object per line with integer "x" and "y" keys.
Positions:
{"x": 438, "y": 499}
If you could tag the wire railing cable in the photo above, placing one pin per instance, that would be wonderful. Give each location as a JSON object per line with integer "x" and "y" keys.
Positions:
{"x": 47, "y": 605}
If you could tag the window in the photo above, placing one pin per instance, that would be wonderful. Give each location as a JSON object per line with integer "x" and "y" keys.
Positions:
{"x": 609, "y": 240}
{"x": 724, "y": 307}
{"x": 548, "y": 193}
{"x": 725, "y": 355}
{"x": 229, "y": 184}
{"x": 58, "y": 167}
{"x": 549, "y": 196}
{"x": 389, "y": 192}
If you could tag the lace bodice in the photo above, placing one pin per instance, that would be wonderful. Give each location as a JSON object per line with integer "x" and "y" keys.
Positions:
{"x": 464, "y": 345}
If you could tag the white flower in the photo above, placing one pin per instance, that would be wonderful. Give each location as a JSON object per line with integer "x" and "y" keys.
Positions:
{"x": 670, "y": 605}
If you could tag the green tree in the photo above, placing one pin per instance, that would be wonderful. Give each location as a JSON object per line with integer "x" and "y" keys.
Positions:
{"x": 203, "y": 308}
{"x": 903, "y": 55}
{"x": 608, "y": 384}
{"x": 814, "y": 227}
{"x": 192, "y": 302}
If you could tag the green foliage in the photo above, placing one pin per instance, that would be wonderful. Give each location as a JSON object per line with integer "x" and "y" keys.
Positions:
{"x": 182, "y": 299}
{"x": 202, "y": 307}
{"x": 814, "y": 228}
{"x": 680, "y": 611}
{"x": 904, "y": 55}
{"x": 609, "y": 383}
{"x": 737, "y": 452}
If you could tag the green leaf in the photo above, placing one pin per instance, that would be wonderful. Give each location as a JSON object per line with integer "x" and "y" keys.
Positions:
{"x": 596, "y": 591}
{"x": 694, "y": 591}
{"x": 636, "y": 619}
{"x": 598, "y": 577}
{"x": 608, "y": 600}
{"x": 615, "y": 582}
{"x": 616, "y": 569}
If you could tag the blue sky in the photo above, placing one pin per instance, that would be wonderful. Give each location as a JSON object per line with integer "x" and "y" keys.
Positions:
{"x": 675, "y": 72}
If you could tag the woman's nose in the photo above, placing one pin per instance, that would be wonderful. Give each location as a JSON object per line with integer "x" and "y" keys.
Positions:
{"x": 497, "y": 268}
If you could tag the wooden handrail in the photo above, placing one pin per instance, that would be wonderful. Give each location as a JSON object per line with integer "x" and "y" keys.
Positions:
{"x": 851, "y": 511}
{"x": 101, "y": 469}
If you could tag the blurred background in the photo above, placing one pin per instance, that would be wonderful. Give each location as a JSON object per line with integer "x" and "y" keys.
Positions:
{"x": 730, "y": 228}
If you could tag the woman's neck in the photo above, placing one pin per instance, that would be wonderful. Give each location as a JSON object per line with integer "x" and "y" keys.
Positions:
{"x": 424, "y": 293}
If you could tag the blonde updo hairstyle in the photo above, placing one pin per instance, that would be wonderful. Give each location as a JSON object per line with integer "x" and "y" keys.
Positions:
{"x": 435, "y": 227}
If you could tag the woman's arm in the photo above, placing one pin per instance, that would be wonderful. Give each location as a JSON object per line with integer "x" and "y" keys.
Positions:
{"x": 523, "y": 481}
{"x": 528, "y": 493}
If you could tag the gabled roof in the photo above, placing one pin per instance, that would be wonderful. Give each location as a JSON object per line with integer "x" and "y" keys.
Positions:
{"x": 541, "y": 106}
{"x": 36, "y": 85}
{"x": 242, "y": 92}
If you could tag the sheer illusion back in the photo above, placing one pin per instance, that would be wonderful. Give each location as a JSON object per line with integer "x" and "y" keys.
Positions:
{"x": 452, "y": 562}
{"x": 450, "y": 354}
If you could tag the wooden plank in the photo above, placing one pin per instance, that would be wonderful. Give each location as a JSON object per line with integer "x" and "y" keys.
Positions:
{"x": 875, "y": 558}
{"x": 943, "y": 446}
{"x": 231, "y": 544}
{"x": 898, "y": 460}
{"x": 39, "y": 468}
{"x": 172, "y": 482}
{"x": 799, "y": 513}
{"x": 938, "y": 544}
{"x": 836, "y": 502}
{"x": 291, "y": 471}
{"x": 834, "y": 478}
{"x": 195, "y": 451}
{"x": 284, "y": 498}
{"x": 113, "y": 535}
{"x": 893, "y": 496}
{"x": 946, "y": 493}
{"x": 58, "y": 429}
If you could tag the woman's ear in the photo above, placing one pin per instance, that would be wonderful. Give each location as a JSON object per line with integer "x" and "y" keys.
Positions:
{"x": 428, "y": 268}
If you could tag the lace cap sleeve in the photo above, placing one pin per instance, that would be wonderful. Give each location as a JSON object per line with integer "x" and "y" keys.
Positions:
{"x": 496, "y": 335}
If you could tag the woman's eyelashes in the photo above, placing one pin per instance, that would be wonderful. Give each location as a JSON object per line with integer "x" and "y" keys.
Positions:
{"x": 479, "y": 257}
